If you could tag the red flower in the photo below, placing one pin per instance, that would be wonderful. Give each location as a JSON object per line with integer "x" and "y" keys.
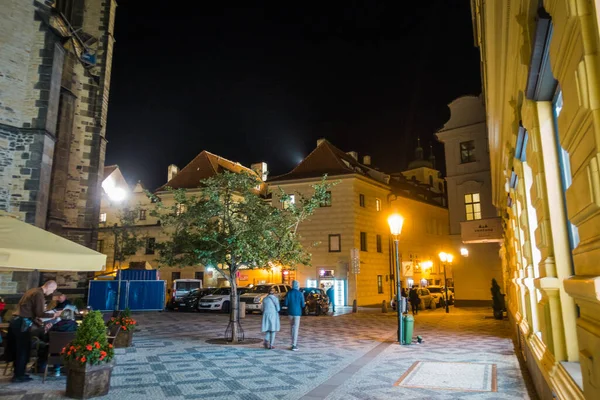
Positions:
{"x": 89, "y": 347}
{"x": 64, "y": 349}
{"x": 124, "y": 327}
{"x": 97, "y": 345}
{"x": 110, "y": 346}
{"x": 102, "y": 354}
{"x": 83, "y": 359}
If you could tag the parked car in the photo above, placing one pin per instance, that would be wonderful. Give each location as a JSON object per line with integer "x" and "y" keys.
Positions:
{"x": 316, "y": 301}
{"x": 439, "y": 292}
{"x": 219, "y": 300}
{"x": 181, "y": 288}
{"x": 190, "y": 301}
{"x": 427, "y": 300}
{"x": 255, "y": 296}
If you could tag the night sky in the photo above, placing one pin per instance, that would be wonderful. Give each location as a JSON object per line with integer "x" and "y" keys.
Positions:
{"x": 264, "y": 80}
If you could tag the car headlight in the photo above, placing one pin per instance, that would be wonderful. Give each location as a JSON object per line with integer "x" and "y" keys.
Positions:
{"x": 257, "y": 299}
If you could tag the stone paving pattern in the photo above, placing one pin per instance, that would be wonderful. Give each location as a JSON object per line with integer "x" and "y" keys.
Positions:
{"x": 349, "y": 356}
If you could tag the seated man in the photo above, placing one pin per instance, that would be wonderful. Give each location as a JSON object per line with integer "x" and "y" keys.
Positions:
{"x": 61, "y": 301}
{"x": 66, "y": 323}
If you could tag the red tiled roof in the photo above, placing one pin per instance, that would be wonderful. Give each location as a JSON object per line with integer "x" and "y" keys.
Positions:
{"x": 203, "y": 166}
{"x": 328, "y": 159}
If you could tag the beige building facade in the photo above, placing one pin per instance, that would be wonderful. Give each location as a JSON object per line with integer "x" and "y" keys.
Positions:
{"x": 475, "y": 228}
{"x": 540, "y": 75}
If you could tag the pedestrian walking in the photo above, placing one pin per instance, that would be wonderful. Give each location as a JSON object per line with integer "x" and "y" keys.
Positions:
{"x": 295, "y": 304}
{"x": 413, "y": 296}
{"x": 270, "y": 319}
{"x": 27, "y": 316}
{"x": 331, "y": 295}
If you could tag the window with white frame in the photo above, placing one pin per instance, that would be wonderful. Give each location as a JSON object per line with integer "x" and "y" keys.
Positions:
{"x": 102, "y": 217}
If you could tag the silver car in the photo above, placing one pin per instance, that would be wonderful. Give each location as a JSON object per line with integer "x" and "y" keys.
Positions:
{"x": 254, "y": 297}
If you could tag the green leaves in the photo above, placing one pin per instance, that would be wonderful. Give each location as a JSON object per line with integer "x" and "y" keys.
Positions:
{"x": 227, "y": 224}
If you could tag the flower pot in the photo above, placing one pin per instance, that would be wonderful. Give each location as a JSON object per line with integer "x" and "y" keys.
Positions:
{"x": 85, "y": 381}
{"x": 123, "y": 339}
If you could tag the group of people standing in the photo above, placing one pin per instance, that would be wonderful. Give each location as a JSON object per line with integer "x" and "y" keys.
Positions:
{"x": 30, "y": 325}
{"x": 294, "y": 301}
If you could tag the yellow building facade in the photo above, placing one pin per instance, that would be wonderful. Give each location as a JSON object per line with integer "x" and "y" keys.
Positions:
{"x": 352, "y": 230}
{"x": 540, "y": 73}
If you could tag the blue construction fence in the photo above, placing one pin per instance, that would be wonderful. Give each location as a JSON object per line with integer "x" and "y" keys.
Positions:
{"x": 135, "y": 295}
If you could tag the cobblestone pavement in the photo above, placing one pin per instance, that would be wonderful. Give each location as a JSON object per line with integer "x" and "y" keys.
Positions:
{"x": 349, "y": 356}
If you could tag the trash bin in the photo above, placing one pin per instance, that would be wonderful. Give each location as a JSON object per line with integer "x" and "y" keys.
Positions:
{"x": 408, "y": 322}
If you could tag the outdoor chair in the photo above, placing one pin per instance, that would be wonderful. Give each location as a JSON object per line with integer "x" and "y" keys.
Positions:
{"x": 58, "y": 341}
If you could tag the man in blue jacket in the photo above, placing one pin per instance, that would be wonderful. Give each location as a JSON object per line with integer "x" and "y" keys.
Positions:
{"x": 295, "y": 304}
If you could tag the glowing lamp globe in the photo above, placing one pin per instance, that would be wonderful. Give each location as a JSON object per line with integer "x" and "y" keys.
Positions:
{"x": 395, "y": 221}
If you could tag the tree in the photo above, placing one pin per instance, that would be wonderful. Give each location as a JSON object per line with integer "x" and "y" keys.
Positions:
{"x": 127, "y": 240}
{"x": 228, "y": 225}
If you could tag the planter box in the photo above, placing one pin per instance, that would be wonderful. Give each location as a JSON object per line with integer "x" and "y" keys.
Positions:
{"x": 124, "y": 339}
{"x": 87, "y": 381}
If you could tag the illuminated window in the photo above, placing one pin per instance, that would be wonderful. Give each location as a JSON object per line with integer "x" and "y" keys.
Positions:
{"x": 380, "y": 284}
{"x": 103, "y": 217}
{"x": 361, "y": 200}
{"x": 379, "y": 244}
{"x": 472, "y": 206}
{"x": 181, "y": 208}
{"x": 142, "y": 215}
{"x": 378, "y": 204}
{"x": 467, "y": 151}
{"x": 363, "y": 241}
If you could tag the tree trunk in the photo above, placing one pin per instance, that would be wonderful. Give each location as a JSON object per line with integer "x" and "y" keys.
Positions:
{"x": 234, "y": 310}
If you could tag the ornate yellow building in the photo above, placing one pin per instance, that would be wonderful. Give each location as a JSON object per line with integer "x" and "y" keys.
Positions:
{"x": 540, "y": 72}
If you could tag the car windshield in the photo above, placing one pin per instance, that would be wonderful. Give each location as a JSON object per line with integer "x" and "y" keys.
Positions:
{"x": 186, "y": 286}
{"x": 242, "y": 290}
{"x": 435, "y": 290}
{"x": 260, "y": 289}
{"x": 222, "y": 291}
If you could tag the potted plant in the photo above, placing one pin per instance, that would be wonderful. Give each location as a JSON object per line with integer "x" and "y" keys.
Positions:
{"x": 497, "y": 300}
{"x": 127, "y": 326}
{"x": 89, "y": 359}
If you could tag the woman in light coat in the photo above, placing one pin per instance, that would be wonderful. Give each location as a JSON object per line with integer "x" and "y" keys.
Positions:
{"x": 270, "y": 320}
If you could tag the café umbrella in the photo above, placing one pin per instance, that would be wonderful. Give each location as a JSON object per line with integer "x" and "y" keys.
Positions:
{"x": 26, "y": 247}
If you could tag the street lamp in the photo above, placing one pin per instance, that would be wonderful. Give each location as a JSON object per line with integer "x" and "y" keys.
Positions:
{"x": 395, "y": 221}
{"x": 446, "y": 259}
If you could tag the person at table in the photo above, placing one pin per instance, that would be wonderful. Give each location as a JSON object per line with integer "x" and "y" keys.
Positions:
{"x": 28, "y": 314}
{"x": 61, "y": 301}
{"x": 66, "y": 324}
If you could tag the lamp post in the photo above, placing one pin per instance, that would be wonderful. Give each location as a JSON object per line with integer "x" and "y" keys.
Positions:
{"x": 446, "y": 259}
{"x": 395, "y": 221}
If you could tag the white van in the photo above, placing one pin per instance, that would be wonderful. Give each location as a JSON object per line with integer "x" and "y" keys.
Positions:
{"x": 181, "y": 288}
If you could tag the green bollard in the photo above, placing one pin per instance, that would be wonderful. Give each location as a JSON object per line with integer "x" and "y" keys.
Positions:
{"x": 409, "y": 325}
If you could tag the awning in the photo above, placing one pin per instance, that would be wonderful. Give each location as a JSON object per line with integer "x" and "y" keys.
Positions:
{"x": 24, "y": 246}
